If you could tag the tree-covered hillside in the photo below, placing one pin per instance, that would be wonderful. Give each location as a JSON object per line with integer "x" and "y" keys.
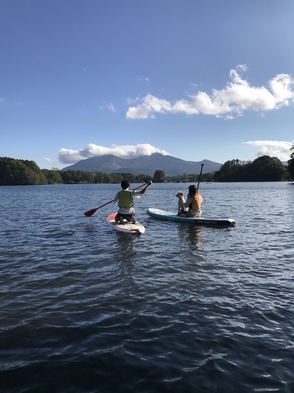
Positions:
{"x": 20, "y": 172}
{"x": 264, "y": 168}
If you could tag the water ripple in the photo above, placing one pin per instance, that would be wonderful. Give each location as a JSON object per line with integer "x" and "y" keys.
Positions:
{"x": 179, "y": 309}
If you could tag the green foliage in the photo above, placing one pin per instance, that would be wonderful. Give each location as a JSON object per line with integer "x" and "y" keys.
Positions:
{"x": 228, "y": 171}
{"x": 98, "y": 178}
{"x": 290, "y": 167}
{"x": 77, "y": 177}
{"x": 107, "y": 178}
{"x": 20, "y": 172}
{"x": 264, "y": 168}
{"x": 53, "y": 177}
{"x": 267, "y": 168}
{"x": 159, "y": 176}
{"x": 142, "y": 178}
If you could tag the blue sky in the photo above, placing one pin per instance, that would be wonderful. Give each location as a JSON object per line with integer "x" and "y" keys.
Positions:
{"x": 196, "y": 79}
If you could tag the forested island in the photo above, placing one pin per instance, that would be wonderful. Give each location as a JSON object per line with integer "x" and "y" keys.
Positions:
{"x": 265, "y": 168}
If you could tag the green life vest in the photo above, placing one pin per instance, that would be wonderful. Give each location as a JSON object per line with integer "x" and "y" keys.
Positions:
{"x": 125, "y": 199}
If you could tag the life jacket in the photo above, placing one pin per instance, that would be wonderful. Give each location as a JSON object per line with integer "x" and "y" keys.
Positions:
{"x": 196, "y": 203}
{"x": 125, "y": 199}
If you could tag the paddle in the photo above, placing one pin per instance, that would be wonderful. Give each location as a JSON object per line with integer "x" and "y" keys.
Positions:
{"x": 200, "y": 176}
{"x": 92, "y": 211}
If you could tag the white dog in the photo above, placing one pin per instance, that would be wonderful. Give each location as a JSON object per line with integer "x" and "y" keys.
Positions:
{"x": 181, "y": 203}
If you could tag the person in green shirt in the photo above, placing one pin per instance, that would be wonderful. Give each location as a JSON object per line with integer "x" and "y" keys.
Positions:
{"x": 125, "y": 202}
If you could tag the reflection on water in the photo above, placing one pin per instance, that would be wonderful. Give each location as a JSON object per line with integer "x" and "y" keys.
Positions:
{"x": 191, "y": 242}
{"x": 125, "y": 243}
{"x": 192, "y": 235}
{"x": 127, "y": 247}
{"x": 125, "y": 256}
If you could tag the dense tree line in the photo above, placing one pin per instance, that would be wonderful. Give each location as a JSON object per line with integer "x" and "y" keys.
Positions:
{"x": 161, "y": 177}
{"x": 264, "y": 168}
{"x": 290, "y": 167}
{"x": 24, "y": 172}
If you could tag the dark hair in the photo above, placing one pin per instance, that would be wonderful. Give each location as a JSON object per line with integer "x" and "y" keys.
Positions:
{"x": 125, "y": 184}
{"x": 192, "y": 190}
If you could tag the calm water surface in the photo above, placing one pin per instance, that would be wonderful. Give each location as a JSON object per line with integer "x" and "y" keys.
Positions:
{"x": 178, "y": 309}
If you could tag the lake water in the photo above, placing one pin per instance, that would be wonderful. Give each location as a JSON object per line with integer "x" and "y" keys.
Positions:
{"x": 178, "y": 309}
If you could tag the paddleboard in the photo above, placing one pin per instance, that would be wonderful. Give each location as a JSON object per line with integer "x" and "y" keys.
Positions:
{"x": 169, "y": 216}
{"x": 126, "y": 227}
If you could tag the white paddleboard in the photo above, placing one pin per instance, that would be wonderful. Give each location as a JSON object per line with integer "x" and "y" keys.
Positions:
{"x": 126, "y": 227}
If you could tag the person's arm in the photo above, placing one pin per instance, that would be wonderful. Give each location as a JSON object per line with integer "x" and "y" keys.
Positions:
{"x": 188, "y": 201}
{"x": 115, "y": 198}
{"x": 145, "y": 188}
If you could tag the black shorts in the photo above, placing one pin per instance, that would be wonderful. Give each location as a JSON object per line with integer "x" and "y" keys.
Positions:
{"x": 125, "y": 216}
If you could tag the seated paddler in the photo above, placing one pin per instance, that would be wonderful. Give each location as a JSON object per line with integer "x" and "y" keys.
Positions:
{"x": 125, "y": 202}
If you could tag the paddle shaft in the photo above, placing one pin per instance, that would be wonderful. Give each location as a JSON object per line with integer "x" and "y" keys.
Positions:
{"x": 200, "y": 176}
{"x": 90, "y": 213}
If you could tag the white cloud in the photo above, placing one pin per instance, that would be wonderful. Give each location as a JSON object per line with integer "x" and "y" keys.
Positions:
{"x": 237, "y": 97}
{"x": 69, "y": 156}
{"x": 279, "y": 149}
{"x": 149, "y": 104}
{"x": 108, "y": 106}
{"x": 143, "y": 78}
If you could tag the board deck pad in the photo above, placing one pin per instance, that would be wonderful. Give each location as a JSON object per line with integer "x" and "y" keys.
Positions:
{"x": 133, "y": 229}
{"x": 169, "y": 216}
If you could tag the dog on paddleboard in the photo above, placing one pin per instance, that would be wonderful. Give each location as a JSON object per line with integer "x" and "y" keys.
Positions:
{"x": 181, "y": 203}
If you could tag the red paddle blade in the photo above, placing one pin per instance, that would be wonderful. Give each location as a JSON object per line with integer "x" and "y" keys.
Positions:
{"x": 90, "y": 212}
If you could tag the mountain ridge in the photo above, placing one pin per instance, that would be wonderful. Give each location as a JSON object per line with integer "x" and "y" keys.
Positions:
{"x": 172, "y": 166}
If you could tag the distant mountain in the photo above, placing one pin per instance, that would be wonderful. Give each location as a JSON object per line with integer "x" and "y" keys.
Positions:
{"x": 143, "y": 165}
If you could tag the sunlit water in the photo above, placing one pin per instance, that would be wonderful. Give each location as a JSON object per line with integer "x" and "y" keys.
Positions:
{"x": 177, "y": 309}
